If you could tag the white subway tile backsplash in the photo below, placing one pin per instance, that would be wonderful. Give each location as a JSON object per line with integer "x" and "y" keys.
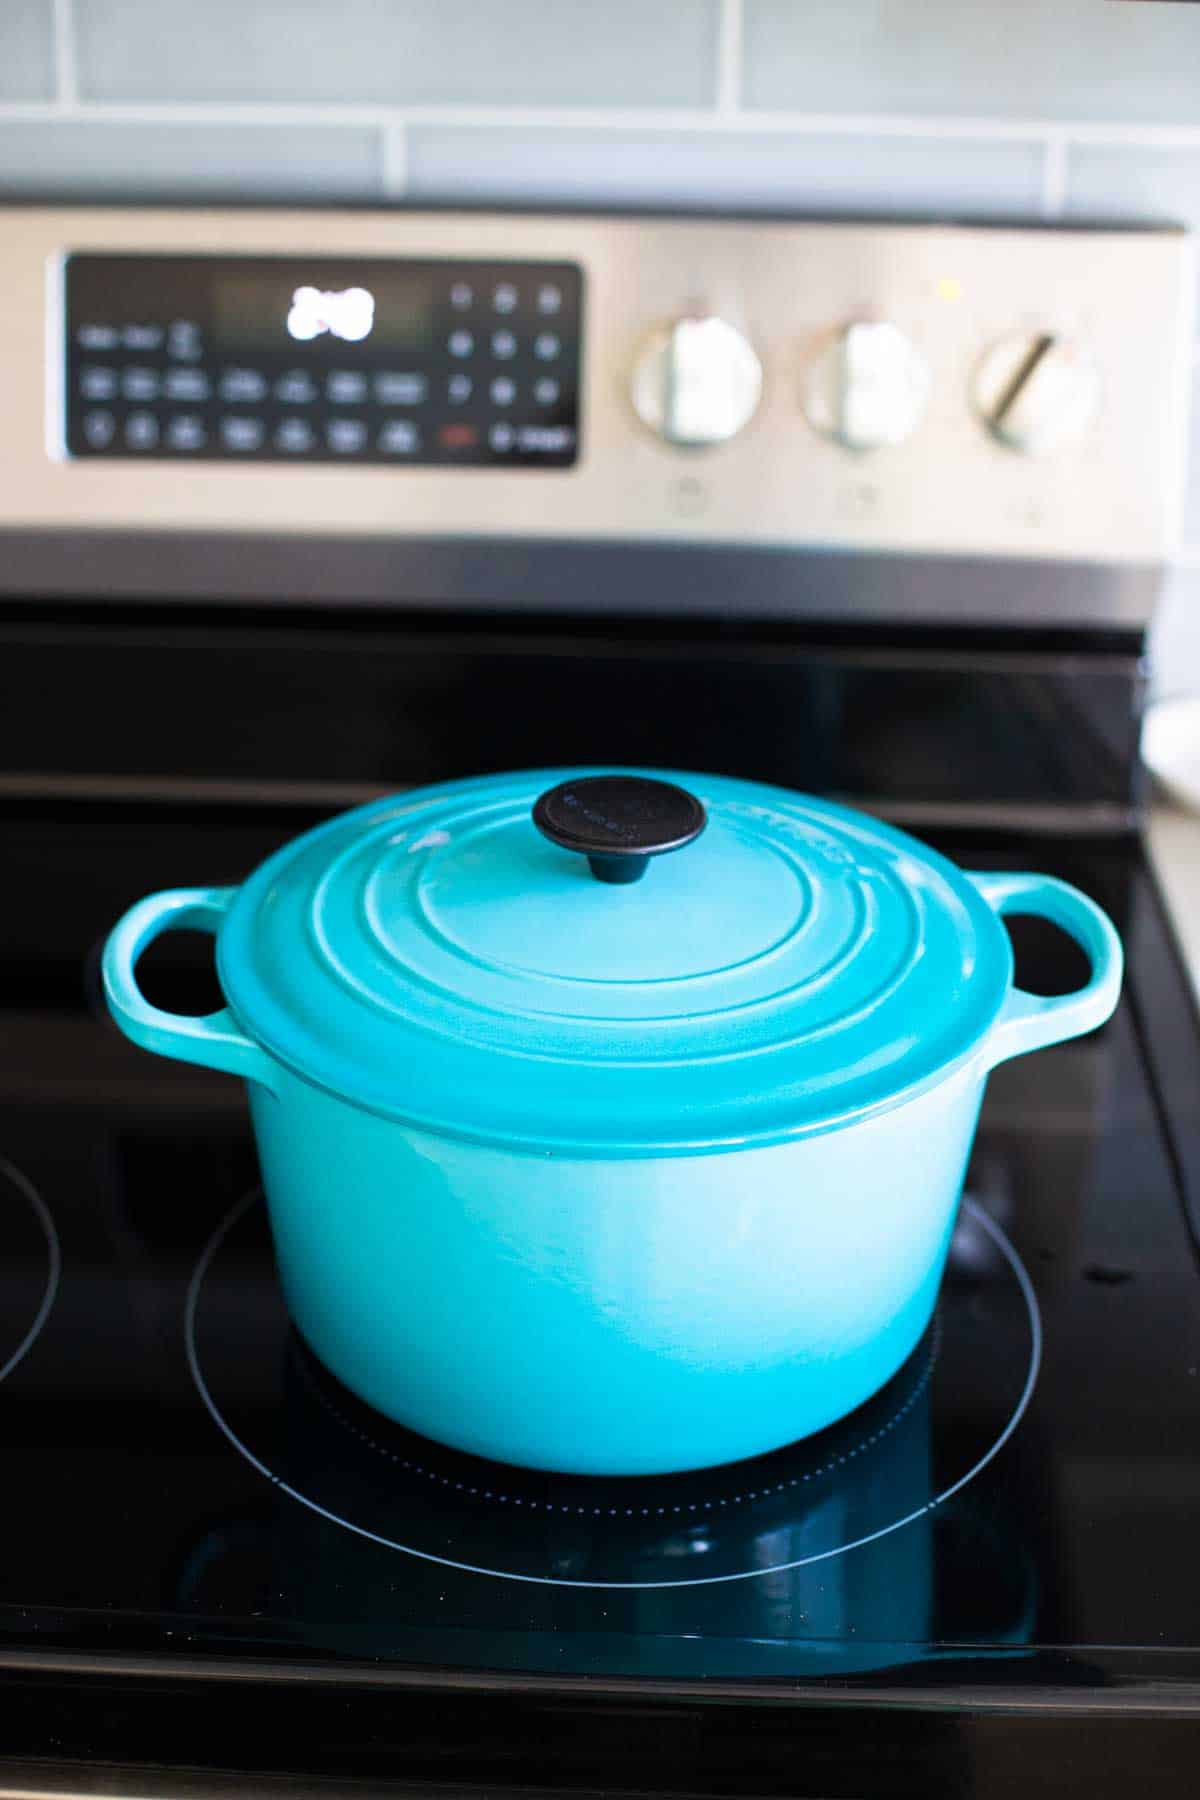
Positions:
{"x": 801, "y": 172}
{"x": 1054, "y": 59}
{"x": 1134, "y": 182}
{"x": 68, "y": 157}
{"x": 538, "y": 52}
{"x": 26, "y": 49}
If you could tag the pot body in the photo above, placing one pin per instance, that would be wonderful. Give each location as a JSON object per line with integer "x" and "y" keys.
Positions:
{"x": 633, "y": 1316}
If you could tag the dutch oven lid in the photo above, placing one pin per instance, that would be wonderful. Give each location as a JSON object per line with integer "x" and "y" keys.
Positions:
{"x": 613, "y": 964}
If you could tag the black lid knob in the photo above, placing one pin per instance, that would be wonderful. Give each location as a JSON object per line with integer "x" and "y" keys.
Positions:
{"x": 619, "y": 821}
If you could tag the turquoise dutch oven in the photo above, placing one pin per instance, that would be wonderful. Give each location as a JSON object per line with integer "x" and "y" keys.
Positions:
{"x": 590, "y": 1157}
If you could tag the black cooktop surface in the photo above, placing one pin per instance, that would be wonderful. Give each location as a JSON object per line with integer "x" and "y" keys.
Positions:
{"x": 186, "y": 1484}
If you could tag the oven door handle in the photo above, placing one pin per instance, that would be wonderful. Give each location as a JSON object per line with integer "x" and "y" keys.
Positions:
{"x": 1032, "y": 1021}
{"x": 216, "y": 1040}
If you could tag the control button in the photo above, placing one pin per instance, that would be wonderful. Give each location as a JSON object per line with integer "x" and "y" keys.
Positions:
{"x": 142, "y": 337}
{"x": 96, "y": 383}
{"x": 186, "y": 384}
{"x": 504, "y": 344}
{"x": 868, "y": 387}
{"x": 502, "y": 437}
{"x": 97, "y": 337}
{"x": 1037, "y": 392}
{"x": 458, "y": 389}
{"x": 460, "y": 343}
{"x": 98, "y": 428}
{"x": 141, "y": 431}
{"x": 549, "y": 299}
{"x": 696, "y": 381}
{"x": 241, "y": 433}
{"x": 545, "y": 438}
{"x": 546, "y": 391}
{"x": 346, "y": 435}
{"x": 141, "y": 384}
{"x": 396, "y": 389}
{"x": 461, "y": 296}
{"x": 546, "y": 346}
{"x": 294, "y": 436}
{"x": 458, "y": 437}
{"x": 243, "y": 384}
{"x": 346, "y": 387}
{"x": 186, "y": 432}
{"x": 399, "y": 437}
{"x": 504, "y": 391}
{"x": 504, "y": 297}
{"x": 296, "y": 388}
{"x": 183, "y": 340}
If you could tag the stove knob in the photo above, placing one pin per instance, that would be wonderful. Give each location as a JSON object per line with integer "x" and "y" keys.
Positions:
{"x": 1037, "y": 392}
{"x": 868, "y": 387}
{"x": 696, "y": 382}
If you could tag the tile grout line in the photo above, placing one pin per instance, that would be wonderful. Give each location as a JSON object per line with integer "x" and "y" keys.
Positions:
{"x": 729, "y": 58}
{"x": 66, "y": 66}
{"x": 393, "y": 159}
{"x": 1054, "y": 175}
{"x": 615, "y": 118}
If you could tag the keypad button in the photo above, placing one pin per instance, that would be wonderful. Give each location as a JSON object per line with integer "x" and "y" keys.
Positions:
{"x": 459, "y": 389}
{"x": 459, "y": 436}
{"x": 295, "y": 436}
{"x": 395, "y": 388}
{"x": 503, "y": 391}
{"x": 97, "y": 337}
{"x": 186, "y": 384}
{"x": 546, "y": 391}
{"x": 545, "y": 438}
{"x": 183, "y": 340}
{"x": 504, "y": 297}
{"x": 141, "y": 431}
{"x": 296, "y": 388}
{"x": 141, "y": 384}
{"x": 346, "y": 387}
{"x": 546, "y": 346}
{"x": 461, "y": 296}
{"x": 96, "y": 383}
{"x": 346, "y": 436}
{"x": 141, "y": 338}
{"x": 243, "y": 384}
{"x": 238, "y": 433}
{"x": 399, "y": 437}
{"x": 549, "y": 299}
{"x": 460, "y": 343}
{"x": 504, "y": 344}
{"x": 186, "y": 432}
{"x": 502, "y": 437}
{"x": 98, "y": 428}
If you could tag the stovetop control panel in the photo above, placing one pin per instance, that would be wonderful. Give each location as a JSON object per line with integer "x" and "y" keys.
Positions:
{"x": 528, "y": 410}
{"x": 398, "y": 361}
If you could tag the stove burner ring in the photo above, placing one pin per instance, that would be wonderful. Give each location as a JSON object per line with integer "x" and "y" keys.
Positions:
{"x": 645, "y": 1512}
{"x": 970, "y": 1208}
{"x": 11, "y": 1175}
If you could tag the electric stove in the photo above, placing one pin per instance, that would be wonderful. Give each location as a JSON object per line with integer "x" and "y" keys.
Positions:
{"x": 219, "y": 1571}
{"x": 197, "y": 1509}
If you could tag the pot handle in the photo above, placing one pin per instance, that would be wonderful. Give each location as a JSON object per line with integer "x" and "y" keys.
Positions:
{"x": 1031, "y": 1021}
{"x": 215, "y": 1041}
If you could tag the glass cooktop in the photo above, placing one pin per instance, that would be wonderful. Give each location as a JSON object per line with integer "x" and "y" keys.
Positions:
{"x": 186, "y": 1481}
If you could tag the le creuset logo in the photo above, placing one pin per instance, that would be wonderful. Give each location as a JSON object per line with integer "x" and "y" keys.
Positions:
{"x": 348, "y": 313}
{"x": 595, "y": 818}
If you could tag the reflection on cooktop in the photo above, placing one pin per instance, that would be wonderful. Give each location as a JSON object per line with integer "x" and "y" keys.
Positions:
{"x": 870, "y": 1475}
{"x": 29, "y": 1266}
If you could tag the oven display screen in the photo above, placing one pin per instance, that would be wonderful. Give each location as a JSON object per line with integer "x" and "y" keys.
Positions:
{"x": 323, "y": 359}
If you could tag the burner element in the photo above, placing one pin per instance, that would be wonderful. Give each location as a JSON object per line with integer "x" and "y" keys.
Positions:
{"x": 893, "y": 1461}
{"x": 30, "y": 1263}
